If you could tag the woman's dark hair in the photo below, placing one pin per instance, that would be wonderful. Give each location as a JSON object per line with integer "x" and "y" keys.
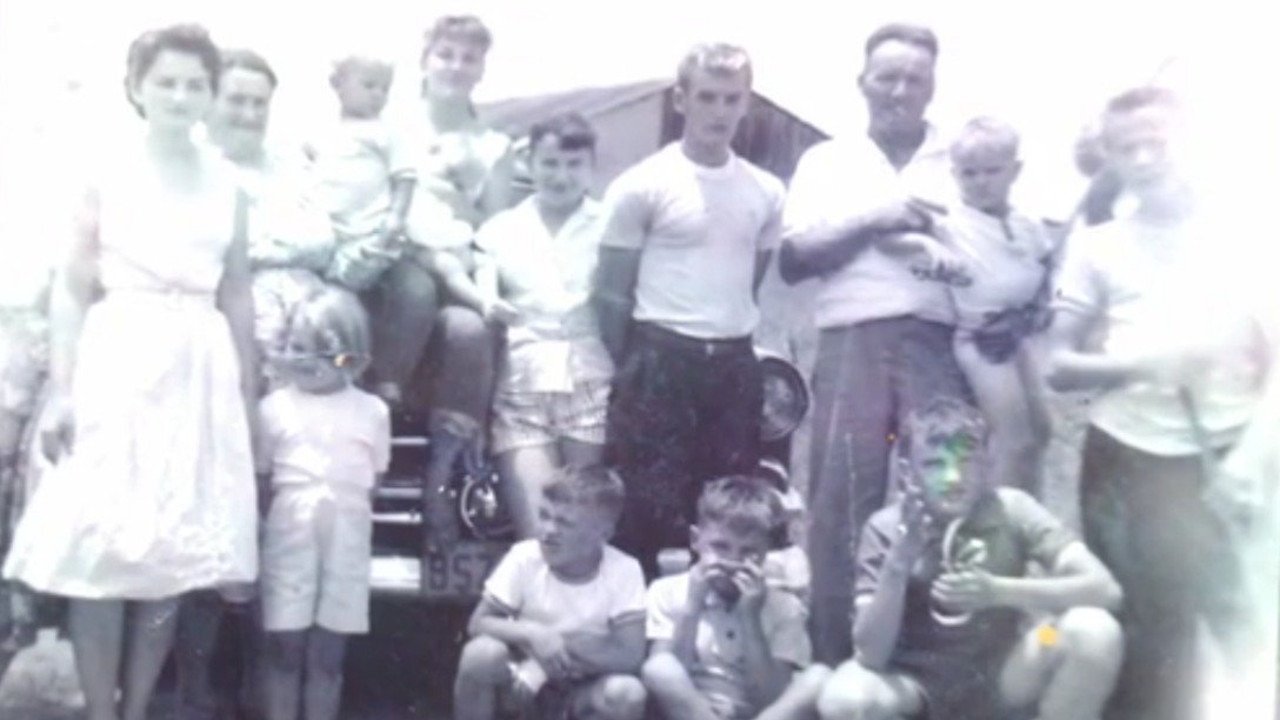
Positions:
{"x": 571, "y": 131}
{"x": 248, "y": 60}
{"x": 189, "y": 39}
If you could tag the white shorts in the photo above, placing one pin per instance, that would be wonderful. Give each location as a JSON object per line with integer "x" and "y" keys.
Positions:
{"x": 315, "y": 559}
{"x": 535, "y": 419}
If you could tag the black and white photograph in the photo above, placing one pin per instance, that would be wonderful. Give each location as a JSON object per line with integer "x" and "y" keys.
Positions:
{"x": 701, "y": 360}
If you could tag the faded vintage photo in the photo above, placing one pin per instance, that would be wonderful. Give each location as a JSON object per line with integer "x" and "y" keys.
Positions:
{"x": 638, "y": 361}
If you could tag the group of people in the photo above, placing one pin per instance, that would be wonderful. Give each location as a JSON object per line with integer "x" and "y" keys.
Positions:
{"x": 278, "y": 309}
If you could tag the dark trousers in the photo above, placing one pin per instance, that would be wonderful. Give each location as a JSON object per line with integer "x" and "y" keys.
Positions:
{"x": 1144, "y": 517}
{"x": 682, "y": 412}
{"x": 867, "y": 379}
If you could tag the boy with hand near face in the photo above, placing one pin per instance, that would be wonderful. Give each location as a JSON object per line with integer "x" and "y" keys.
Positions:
{"x": 724, "y": 645}
{"x": 562, "y": 616}
{"x": 948, "y": 624}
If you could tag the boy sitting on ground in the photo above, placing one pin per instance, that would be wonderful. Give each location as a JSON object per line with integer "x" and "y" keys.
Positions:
{"x": 562, "y": 615}
{"x": 948, "y": 624}
{"x": 725, "y": 645}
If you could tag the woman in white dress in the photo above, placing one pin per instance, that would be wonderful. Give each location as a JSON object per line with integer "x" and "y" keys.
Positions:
{"x": 152, "y": 357}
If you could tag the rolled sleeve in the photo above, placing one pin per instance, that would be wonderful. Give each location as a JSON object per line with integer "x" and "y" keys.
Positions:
{"x": 1044, "y": 534}
{"x": 788, "y": 637}
{"x": 664, "y": 604}
{"x": 505, "y": 582}
{"x": 629, "y": 603}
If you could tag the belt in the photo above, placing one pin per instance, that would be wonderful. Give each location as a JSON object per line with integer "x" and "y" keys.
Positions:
{"x": 659, "y": 336}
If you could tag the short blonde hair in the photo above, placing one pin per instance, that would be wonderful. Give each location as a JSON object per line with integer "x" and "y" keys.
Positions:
{"x": 592, "y": 486}
{"x": 988, "y": 132}
{"x": 718, "y": 58}
{"x": 340, "y": 324}
{"x": 467, "y": 29}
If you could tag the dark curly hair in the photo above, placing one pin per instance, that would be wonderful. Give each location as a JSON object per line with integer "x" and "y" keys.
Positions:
{"x": 188, "y": 39}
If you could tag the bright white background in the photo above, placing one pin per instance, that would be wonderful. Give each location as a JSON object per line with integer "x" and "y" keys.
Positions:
{"x": 1045, "y": 66}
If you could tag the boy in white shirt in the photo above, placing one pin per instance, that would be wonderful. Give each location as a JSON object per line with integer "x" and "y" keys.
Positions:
{"x": 536, "y": 264}
{"x": 562, "y": 617}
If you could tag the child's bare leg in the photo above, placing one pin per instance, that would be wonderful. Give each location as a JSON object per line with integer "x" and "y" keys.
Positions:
{"x": 853, "y": 692}
{"x": 524, "y": 471}
{"x": 613, "y": 697}
{"x": 151, "y": 628}
{"x": 97, "y": 635}
{"x": 1069, "y": 673}
{"x": 1018, "y": 432}
{"x": 799, "y": 701}
{"x": 322, "y": 687}
{"x": 670, "y": 685}
{"x": 283, "y": 673}
{"x": 483, "y": 672}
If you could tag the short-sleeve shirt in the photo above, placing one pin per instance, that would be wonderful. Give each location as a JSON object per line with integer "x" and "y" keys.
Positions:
{"x": 548, "y": 279}
{"x": 1168, "y": 287}
{"x": 525, "y": 586}
{"x": 1013, "y": 528}
{"x": 720, "y": 670}
{"x": 355, "y": 164}
{"x": 1007, "y": 259}
{"x": 342, "y": 438}
{"x": 699, "y": 230}
{"x": 838, "y": 179}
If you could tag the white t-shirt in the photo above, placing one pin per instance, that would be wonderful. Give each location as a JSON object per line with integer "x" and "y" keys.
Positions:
{"x": 720, "y": 672}
{"x": 700, "y": 230}
{"x": 838, "y": 179}
{"x": 525, "y": 586}
{"x": 1174, "y": 288}
{"x": 342, "y": 438}
{"x": 548, "y": 279}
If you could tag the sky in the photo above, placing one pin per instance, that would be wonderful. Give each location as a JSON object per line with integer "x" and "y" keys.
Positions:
{"x": 1044, "y": 66}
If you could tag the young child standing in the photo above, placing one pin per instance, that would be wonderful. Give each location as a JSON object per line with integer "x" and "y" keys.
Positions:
{"x": 324, "y": 443}
{"x": 725, "y": 644}
{"x": 1002, "y": 297}
{"x": 364, "y": 175}
{"x": 564, "y": 611}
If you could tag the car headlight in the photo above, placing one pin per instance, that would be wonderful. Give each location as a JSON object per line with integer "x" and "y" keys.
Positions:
{"x": 786, "y": 397}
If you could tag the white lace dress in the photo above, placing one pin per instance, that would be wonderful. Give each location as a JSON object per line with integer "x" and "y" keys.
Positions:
{"x": 157, "y": 497}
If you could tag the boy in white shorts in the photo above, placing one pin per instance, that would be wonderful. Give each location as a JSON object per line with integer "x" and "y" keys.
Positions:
{"x": 325, "y": 443}
{"x": 536, "y": 264}
{"x": 1003, "y": 298}
{"x": 561, "y": 622}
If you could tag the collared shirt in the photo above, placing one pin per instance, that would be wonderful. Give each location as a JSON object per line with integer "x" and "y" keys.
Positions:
{"x": 700, "y": 230}
{"x": 1190, "y": 288}
{"x": 341, "y": 439}
{"x": 548, "y": 279}
{"x": 839, "y": 179}
{"x": 356, "y": 162}
{"x": 1006, "y": 257}
{"x": 1011, "y": 529}
{"x": 720, "y": 670}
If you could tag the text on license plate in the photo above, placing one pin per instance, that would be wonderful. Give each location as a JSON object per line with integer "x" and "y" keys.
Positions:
{"x": 460, "y": 572}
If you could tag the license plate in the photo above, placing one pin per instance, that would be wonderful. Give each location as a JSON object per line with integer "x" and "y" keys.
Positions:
{"x": 458, "y": 574}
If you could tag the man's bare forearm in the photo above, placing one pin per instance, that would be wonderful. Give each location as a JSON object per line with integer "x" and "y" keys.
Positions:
{"x": 825, "y": 250}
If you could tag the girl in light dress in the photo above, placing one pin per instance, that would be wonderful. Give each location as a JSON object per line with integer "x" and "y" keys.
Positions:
{"x": 152, "y": 494}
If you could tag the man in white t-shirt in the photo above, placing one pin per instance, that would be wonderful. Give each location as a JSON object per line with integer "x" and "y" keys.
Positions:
{"x": 885, "y": 344}
{"x": 562, "y": 616}
{"x": 689, "y": 236}
{"x": 1175, "y": 458}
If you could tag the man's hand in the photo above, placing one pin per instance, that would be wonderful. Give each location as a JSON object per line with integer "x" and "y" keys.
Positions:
{"x": 749, "y": 579}
{"x": 548, "y": 647}
{"x": 900, "y": 216}
{"x": 941, "y": 263}
{"x": 965, "y": 591}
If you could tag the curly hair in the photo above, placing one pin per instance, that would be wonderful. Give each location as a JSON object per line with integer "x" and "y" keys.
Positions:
{"x": 187, "y": 39}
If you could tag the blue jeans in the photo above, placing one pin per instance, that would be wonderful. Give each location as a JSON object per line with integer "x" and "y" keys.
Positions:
{"x": 868, "y": 378}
